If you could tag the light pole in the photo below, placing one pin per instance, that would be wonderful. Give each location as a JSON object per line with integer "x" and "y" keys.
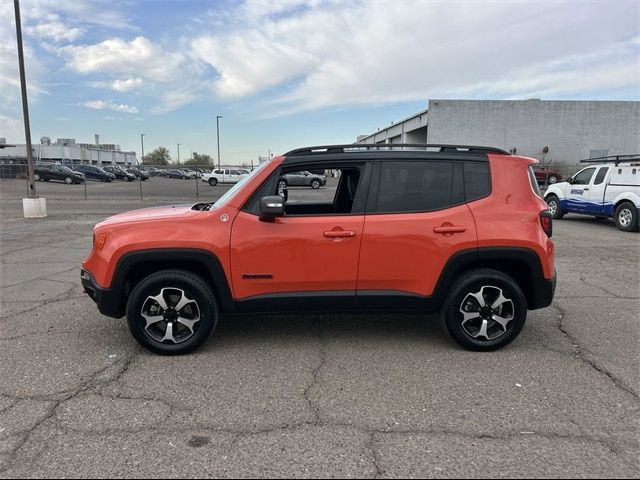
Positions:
{"x": 179, "y": 154}
{"x": 138, "y": 162}
{"x": 218, "y": 117}
{"x": 32, "y": 206}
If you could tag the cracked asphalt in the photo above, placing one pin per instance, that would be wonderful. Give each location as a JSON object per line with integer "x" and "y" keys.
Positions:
{"x": 311, "y": 396}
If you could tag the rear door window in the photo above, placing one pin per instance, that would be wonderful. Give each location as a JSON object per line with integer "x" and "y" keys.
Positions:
{"x": 417, "y": 186}
{"x": 600, "y": 176}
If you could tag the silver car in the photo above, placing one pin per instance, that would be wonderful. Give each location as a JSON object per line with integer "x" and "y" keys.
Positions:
{"x": 302, "y": 179}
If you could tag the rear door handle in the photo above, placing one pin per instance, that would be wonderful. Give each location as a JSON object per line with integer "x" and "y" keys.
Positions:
{"x": 449, "y": 229}
{"x": 340, "y": 234}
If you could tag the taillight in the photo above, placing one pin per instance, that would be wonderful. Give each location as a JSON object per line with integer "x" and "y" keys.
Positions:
{"x": 546, "y": 222}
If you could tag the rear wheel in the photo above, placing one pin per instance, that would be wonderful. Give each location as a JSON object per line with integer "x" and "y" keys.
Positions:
{"x": 213, "y": 181}
{"x": 282, "y": 184}
{"x": 553, "y": 179}
{"x": 485, "y": 310}
{"x": 172, "y": 312}
{"x": 626, "y": 217}
{"x": 554, "y": 207}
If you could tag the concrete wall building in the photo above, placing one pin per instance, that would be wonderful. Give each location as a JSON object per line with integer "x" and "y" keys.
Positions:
{"x": 571, "y": 130}
{"x": 68, "y": 152}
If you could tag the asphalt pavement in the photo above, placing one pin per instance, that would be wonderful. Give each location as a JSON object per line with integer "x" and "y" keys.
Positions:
{"x": 315, "y": 395}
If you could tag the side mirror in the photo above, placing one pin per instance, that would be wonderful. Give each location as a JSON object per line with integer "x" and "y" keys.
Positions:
{"x": 271, "y": 207}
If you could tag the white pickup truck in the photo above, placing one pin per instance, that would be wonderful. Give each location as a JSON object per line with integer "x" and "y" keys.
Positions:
{"x": 226, "y": 175}
{"x": 604, "y": 189}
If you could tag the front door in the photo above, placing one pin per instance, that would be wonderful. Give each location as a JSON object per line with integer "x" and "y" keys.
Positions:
{"x": 577, "y": 196}
{"x": 307, "y": 259}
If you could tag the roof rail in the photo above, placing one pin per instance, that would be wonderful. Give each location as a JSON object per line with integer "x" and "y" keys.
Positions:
{"x": 613, "y": 159}
{"x": 359, "y": 147}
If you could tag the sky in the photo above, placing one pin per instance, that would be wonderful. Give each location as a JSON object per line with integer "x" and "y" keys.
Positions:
{"x": 290, "y": 73}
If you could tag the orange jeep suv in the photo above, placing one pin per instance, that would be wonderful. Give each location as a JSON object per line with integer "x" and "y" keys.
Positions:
{"x": 417, "y": 228}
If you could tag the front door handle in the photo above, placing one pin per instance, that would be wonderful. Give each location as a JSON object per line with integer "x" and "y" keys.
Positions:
{"x": 449, "y": 229}
{"x": 340, "y": 234}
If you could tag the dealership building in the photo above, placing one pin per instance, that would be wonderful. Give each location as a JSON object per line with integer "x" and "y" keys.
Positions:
{"x": 68, "y": 152}
{"x": 561, "y": 132}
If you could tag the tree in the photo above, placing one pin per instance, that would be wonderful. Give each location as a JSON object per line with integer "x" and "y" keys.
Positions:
{"x": 200, "y": 159}
{"x": 159, "y": 156}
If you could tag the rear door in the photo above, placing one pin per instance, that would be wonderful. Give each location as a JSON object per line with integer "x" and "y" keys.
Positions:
{"x": 416, "y": 219}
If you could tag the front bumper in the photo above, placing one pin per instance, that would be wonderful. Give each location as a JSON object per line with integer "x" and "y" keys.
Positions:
{"x": 110, "y": 301}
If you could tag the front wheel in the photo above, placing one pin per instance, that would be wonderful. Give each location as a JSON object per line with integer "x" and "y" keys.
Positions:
{"x": 315, "y": 184}
{"x": 485, "y": 310}
{"x": 553, "y": 179}
{"x": 626, "y": 217}
{"x": 36, "y": 177}
{"x": 68, "y": 180}
{"x": 282, "y": 184}
{"x": 172, "y": 312}
{"x": 213, "y": 182}
{"x": 554, "y": 207}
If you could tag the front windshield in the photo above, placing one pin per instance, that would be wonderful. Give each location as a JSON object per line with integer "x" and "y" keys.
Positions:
{"x": 232, "y": 191}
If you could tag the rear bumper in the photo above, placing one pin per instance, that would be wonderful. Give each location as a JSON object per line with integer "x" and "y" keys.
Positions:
{"x": 543, "y": 292}
{"x": 110, "y": 301}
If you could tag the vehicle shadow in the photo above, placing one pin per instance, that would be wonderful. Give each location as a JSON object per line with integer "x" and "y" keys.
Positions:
{"x": 374, "y": 328}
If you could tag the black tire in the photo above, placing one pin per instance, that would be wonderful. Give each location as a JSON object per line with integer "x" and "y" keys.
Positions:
{"x": 282, "y": 183}
{"x": 213, "y": 182}
{"x": 194, "y": 287}
{"x": 552, "y": 179}
{"x": 487, "y": 283}
{"x": 68, "y": 180}
{"x": 626, "y": 217}
{"x": 315, "y": 184}
{"x": 168, "y": 176}
{"x": 554, "y": 207}
{"x": 36, "y": 177}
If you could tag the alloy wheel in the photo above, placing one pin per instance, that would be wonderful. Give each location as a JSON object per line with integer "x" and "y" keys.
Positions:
{"x": 170, "y": 316}
{"x": 486, "y": 314}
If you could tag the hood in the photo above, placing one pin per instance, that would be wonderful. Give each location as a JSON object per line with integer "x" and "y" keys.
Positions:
{"x": 147, "y": 214}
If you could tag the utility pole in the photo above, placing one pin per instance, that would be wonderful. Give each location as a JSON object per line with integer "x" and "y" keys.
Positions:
{"x": 218, "y": 117}
{"x": 25, "y": 107}
{"x": 138, "y": 161}
{"x": 178, "y": 154}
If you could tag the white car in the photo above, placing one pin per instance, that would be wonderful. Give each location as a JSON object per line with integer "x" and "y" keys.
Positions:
{"x": 604, "y": 189}
{"x": 223, "y": 176}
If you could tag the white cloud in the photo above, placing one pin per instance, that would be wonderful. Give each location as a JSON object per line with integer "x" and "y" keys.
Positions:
{"x": 127, "y": 85}
{"x": 102, "y": 105}
{"x": 116, "y": 56}
{"x": 50, "y": 27}
{"x": 327, "y": 54}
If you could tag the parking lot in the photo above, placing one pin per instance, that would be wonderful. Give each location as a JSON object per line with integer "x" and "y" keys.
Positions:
{"x": 309, "y": 396}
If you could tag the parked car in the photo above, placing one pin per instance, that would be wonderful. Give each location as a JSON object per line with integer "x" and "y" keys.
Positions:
{"x": 138, "y": 173}
{"x": 44, "y": 172}
{"x": 603, "y": 190}
{"x": 119, "y": 173}
{"x": 546, "y": 175}
{"x": 302, "y": 179}
{"x": 189, "y": 173}
{"x": 223, "y": 176}
{"x": 407, "y": 229}
{"x": 176, "y": 174}
{"x": 91, "y": 172}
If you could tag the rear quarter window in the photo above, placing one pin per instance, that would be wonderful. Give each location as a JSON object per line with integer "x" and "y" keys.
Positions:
{"x": 477, "y": 180}
{"x": 534, "y": 182}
